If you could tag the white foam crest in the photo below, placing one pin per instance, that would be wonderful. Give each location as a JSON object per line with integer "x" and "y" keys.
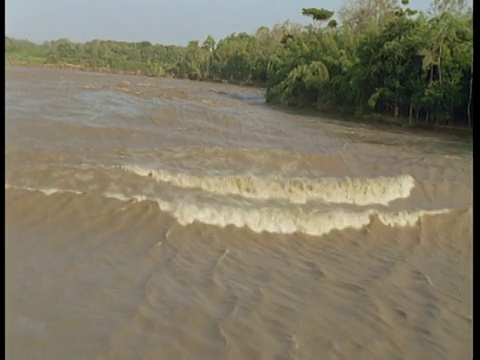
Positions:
{"x": 116, "y": 196}
{"x": 125, "y": 198}
{"x": 282, "y": 220}
{"x": 46, "y": 191}
{"x": 288, "y": 221}
{"x": 406, "y": 218}
{"x": 357, "y": 191}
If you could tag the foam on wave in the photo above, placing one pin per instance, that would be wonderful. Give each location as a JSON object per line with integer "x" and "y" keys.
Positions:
{"x": 356, "y": 191}
{"x": 269, "y": 219}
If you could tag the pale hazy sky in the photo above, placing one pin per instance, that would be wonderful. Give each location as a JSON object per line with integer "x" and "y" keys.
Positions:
{"x": 160, "y": 21}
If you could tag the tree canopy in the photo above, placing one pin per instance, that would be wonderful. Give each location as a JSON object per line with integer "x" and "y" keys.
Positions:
{"x": 377, "y": 56}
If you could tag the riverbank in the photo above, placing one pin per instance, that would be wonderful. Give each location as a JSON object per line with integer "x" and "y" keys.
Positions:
{"x": 403, "y": 123}
{"x": 103, "y": 70}
{"x": 377, "y": 120}
{"x": 381, "y": 121}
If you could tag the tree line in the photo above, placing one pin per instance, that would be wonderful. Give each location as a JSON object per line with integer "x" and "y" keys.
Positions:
{"x": 379, "y": 57}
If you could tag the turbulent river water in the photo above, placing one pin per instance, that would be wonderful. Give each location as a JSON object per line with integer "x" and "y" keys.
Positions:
{"x": 167, "y": 219}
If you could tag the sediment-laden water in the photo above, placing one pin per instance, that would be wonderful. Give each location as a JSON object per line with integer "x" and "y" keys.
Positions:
{"x": 168, "y": 219}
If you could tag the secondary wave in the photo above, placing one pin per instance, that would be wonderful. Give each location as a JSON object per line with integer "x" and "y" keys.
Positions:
{"x": 285, "y": 220}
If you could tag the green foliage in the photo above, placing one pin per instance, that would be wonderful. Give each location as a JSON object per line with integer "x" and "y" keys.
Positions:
{"x": 317, "y": 14}
{"x": 18, "y": 51}
{"x": 402, "y": 64}
{"x": 332, "y": 23}
{"x": 382, "y": 57}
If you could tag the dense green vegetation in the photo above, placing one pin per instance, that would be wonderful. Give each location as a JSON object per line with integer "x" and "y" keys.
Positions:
{"x": 380, "y": 56}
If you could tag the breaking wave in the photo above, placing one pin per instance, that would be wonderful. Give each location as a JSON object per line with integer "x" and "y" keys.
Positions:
{"x": 356, "y": 191}
{"x": 45, "y": 191}
{"x": 286, "y": 220}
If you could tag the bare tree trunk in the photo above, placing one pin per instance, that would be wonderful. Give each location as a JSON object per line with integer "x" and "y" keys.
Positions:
{"x": 410, "y": 114}
{"x": 440, "y": 65}
{"x": 470, "y": 98}
{"x": 396, "y": 109}
{"x": 440, "y": 44}
{"x": 426, "y": 117}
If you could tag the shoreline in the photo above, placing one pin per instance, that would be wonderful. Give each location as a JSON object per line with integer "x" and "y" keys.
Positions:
{"x": 370, "y": 119}
{"x": 380, "y": 121}
{"x": 82, "y": 68}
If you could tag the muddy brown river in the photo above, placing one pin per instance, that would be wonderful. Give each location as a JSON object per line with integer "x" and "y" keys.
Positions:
{"x": 156, "y": 218}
